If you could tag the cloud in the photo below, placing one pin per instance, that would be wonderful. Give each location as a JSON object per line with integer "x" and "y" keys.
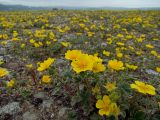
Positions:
{"x": 92, "y": 3}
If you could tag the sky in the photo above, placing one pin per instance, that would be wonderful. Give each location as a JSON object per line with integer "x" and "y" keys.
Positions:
{"x": 87, "y": 3}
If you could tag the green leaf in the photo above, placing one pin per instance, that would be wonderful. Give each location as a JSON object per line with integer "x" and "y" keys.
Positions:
{"x": 139, "y": 115}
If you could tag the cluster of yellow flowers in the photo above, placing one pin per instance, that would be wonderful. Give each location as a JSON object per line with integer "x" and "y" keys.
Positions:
{"x": 84, "y": 62}
{"x": 4, "y": 72}
{"x": 107, "y": 107}
{"x": 46, "y": 79}
{"x": 121, "y": 41}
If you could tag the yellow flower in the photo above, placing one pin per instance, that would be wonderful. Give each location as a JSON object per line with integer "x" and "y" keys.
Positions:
{"x": 46, "y": 64}
{"x": 138, "y": 52}
{"x": 4, "y": 42}
{"x": 119, "y": 54}
{"x": 98, "y": 67}
{"x": 158, "y": 69}
{"x": 36, "y": 45}
{"x": 114, "y": 109}
{"x": 110, "y": 86}
{"x": 46, "y": 79}
{"x": 83, "y": 63}
{"x": 120, "y": 35}
{"x": 3, "y": 72}
{"x": 143, "y": 88}
{"x": 15, "y": 39}
{"x": 96, "y": 90}
{"x": 104, "y": 105}
{"x": 65, "y": 44}
{"x": 29, "y": 65}
{"x": 139, "y": 39}
{"x": 106, "y": 53}
{"x": 120, "y": 43}
{"x": 40, "y": 43}
{"x": 129, "y": 37}
{"x": 85, "y": 42}
{"x": 115, "y": 65}
{"x": 32, "y": 41}
{"x": 79, "y": 33}
{"x": 149, "y": 46}
{"x": 132, "y": 67}
{"x": 48, "y": 42}
{"x": 109, "y": 41}
{"x": 22, "y": 45}
{"x": 10, "y": 84}
{"x": 153, "y": 52}
{"x": 72, "y": 54}
{"x": 94, "y": 58}
{"x": 90, "y": 34}
{"x": 82, "y": 25}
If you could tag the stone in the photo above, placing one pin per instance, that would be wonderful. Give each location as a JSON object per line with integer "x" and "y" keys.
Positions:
{"x": 41, "y": 95}
{"x": 1, "y": 58}
{"x": 52, "y": 115}
{"x": 30, "y": 116}
{"x": 59, "y": 61}
{"x": 11, "y": 108}
{"x": 81, "y": 87}
{"x": 47, "y": 103}
{"x": 103, "y": 44}
{"x": 63, "y": 112}
{"x": 2, "y": 51}
{"x": 152, "y": 72}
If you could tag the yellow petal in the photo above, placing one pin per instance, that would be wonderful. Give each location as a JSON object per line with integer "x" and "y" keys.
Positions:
{"x": 134, "y": 86}
{"x": 99, "y": 104}
{"x": 106, "y": 99}
{"x": 102, "y": 112}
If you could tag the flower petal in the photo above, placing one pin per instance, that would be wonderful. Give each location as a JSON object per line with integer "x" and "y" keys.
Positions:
{"x": 99, "y": 104}
{"x": 102, "y": 112}
{"x": 106, "y": 99}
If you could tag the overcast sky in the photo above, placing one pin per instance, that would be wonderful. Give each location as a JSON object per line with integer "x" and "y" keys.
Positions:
{"x": 89, "y": 3}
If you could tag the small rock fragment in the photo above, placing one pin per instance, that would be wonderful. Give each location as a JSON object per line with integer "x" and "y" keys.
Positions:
{"x": 152, "y": 72}
{"x": 30, "y": 116}
{"x": 11, "y": 108}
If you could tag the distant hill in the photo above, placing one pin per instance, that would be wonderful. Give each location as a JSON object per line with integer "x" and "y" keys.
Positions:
{"x": 22, "y": 7}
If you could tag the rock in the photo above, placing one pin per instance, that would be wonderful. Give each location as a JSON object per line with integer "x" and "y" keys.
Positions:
{"x": 1, "y": 58}
{"x": 3, "y": 51}
{"x": 63, "y": 113}
{"x": 105, "y": 61}
{"x": 30, "y": 116}
{"x": 81, "y": 87}
{"x": 47, "y": 103}
{"x": 3, "y": 89}
{"x": 11, "y": 108}
{"x": 60, "y": 61}
{"x": 59, "y": 102}
{"x": 8, "y": 57}
{"x": 152, "y": 72}
{"x": 52, "y": 115}
{"x": 103, "y": 44}
{"x": 41, "y": 95}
